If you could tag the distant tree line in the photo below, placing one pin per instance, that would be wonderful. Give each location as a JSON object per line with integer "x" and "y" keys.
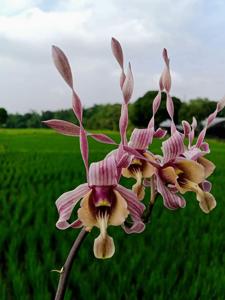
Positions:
{"x": 106, "y": 116}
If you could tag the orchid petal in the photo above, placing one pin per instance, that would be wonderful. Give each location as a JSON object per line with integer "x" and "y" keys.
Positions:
{"x": 123, "y": 123}
{"x": 119, "y": 212}
{"x": 186, "y": 128}
{"x": 63, "y": 127}
{"x": 103, "y": 173}
{"x": 85, "y": 214}
{"x": 209, "y": 167}
{"x": 173, "y": 147}
{"x": 192, "y": 170}
{"x": 62, "y": 65}
{"x": 141, "y": 138}
{"x": 192, "y": 153}
{"x": 66, "y": 203}
{"x": 170, "y": 199}
{"x": 166, "y": 78}
{"x": 104, "y": 247}
{"x": 210, "y": 119}
{"x": 77, "y": 106}
{"x": 128, "y": 85}
{"x": 207, "y": 201}
{"x": 117, "y": 51}
{"x": 155, "y": 107}
{"x": 160, "y": 133}
{"x": 205, "y": 147}
{"x": 206, "y": 186}
{"x": 135, "y": 208}
{"x": 102, "y": 138}
{"x": 84, "y": 148}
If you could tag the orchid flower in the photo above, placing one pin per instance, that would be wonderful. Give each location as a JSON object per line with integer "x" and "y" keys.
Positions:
{"x": 104, "y": 202}
{"x": 179, "y": 171}
{"x": 140, "y": 138}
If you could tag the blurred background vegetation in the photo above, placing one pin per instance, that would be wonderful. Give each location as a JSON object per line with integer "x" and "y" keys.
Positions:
{"x": 180, "y": 255}
{"x": 106, "y": 116}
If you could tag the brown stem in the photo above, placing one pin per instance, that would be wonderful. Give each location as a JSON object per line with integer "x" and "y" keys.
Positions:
{"x": 65, "y": 271}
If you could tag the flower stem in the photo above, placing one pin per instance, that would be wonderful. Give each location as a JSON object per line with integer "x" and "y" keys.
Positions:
{"x": 148, "y": 211}
{"x": 65, "y": 271}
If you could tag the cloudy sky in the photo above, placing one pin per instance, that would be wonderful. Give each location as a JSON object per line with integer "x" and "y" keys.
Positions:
{"x": 193, "y": 31}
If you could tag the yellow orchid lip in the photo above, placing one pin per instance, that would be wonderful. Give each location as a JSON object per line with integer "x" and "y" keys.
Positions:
{"x": 136, "y": 162}
{"x": 103, "y": 202}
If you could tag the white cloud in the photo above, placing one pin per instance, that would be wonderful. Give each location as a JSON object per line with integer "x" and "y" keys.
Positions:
{"x": 83, "y": 28}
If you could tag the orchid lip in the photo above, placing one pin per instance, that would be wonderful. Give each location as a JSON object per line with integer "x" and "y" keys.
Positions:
{"x": 102, "y": 200}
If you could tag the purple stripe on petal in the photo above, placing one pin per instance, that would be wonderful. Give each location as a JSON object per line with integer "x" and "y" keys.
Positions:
{"x": 63, "y": 127}
{"x": 186, "y": 128}
{"x": 170, "y": 199}
{"x": 173, "y": 147}
{"x": 102, "y": 138}
{"x": 84, "y": 148}
{"x": 123, "y": 123}
{"x": 137, "y": 227}
{"x": 141, "y": 138}
{"x": 155, "y": 107}
{"x": 170, "y": 106}
{"x": 62, "y": 64}
{"x": 103, "y": 172}
{"x": 117, "y": 51}
{"x": 128, "y": 85}
{"x": 76, "y": 224}
{"x": 66, "y": 203}
{"x": 210, "y": 119}
{"x": 160, "y": 133}
{"x": 205, "y": 147}
{"x": 77, "y": 106}
{"x": 166, "y": 78}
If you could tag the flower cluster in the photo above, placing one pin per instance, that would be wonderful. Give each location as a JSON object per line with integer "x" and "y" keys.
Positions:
{"x": 180, "y": 168}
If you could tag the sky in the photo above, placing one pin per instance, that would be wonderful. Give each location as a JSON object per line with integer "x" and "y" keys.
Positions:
{"x": 193, "y": 31}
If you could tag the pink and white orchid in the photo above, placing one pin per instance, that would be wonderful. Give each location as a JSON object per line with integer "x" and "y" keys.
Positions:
{"x": 103, "y": 201}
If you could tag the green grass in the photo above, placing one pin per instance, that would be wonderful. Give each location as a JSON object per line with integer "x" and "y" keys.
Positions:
{"x": 179, "y": 256}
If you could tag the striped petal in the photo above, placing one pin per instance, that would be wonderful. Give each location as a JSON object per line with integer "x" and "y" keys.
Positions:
{"x": 173, "y": 147}
{"x": 166, "y": 78}
{"x": 141, "y": 138}
{"x": 66, "y": 203}
{"x": 170, "y": 199}
{"x": 128, "y": 85}
{"x": 104, "y": 172}
{"x": 62, "y": 65}
{"x": 63, "y": 127}
{"x": 135, "y": 208}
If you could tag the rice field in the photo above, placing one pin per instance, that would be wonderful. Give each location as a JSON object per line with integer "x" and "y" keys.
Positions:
{"x": 179, "y": 256}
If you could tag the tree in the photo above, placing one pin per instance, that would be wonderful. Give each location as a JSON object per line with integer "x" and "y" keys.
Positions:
{"x": 199, "y": 107}
{"x": 141, "y": 110}
{"x": 3, "y": 116}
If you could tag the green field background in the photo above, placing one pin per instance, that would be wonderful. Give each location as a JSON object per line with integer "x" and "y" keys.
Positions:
{"x": 179, "y": 256}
